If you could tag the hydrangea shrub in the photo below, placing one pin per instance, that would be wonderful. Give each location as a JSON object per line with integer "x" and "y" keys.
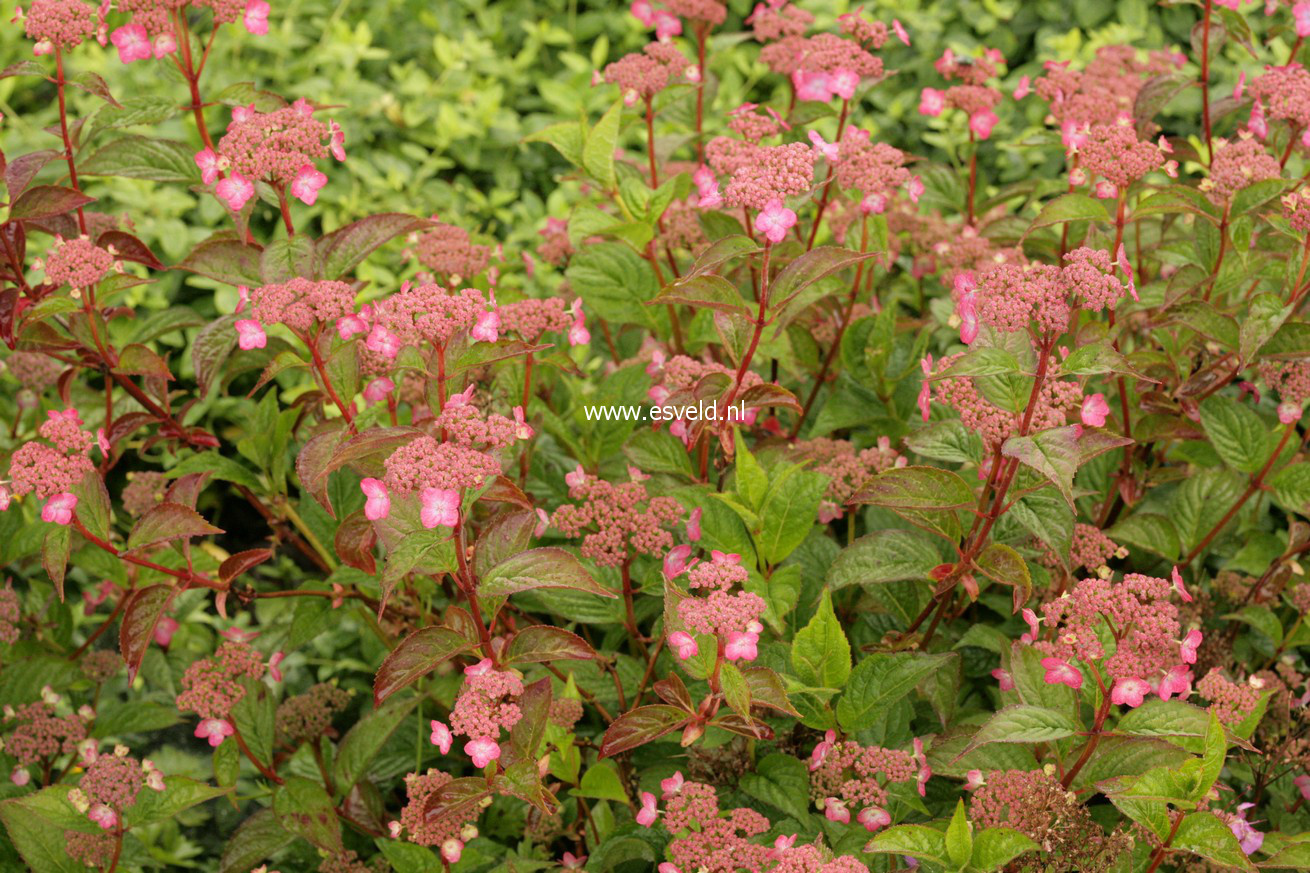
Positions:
{"x": 794, "y": 497}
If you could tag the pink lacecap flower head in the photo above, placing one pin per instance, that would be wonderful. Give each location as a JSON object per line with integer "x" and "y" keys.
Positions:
{"x": 1176, "y": 682}
{"x": 932, "y": 102}
{"x": 982, "y": 122}
{"x": 693, "y": 525}
{"x": 683, "y": 645}
{"x": 543, "y": 522}
{"x": 1301, "y": 15}
{"x": 741, "y": 646}
{"x": 441, "y": 736}
{"x": 1105, "y": 190}
{"x": 873, "y": 204}
{"x": 675, "y": 561}
{"x": 781, "y": 845}
{"x": 482, "y": 751}
{"x": 673, "y": 784}
{"x": 1094, "y": 410}
{"x": 349, "y": 325}
{"x": 1061, "y": 672}
{"x": 59, "y": 508}
{"x": 522, "y": 430}
{"x": 383, "y": 341}
{"x": 255, "y": 18}
{"x": 243, "y": 113}
{"x": 235, "y": 191}
{"x": 440, "y": 507}
{"x": 104, "y": 816}
{"x": 215, "y": 730}
{"x": 274, "y": 665}
{"x": 132, "y": 42}
{"x": 1189, "y": 645}
{"x": 308, "y": 182}
{"x": 250, "y": 334}
{"x": 973, "y": 780}
{"x": 775, "y": 220}
{"x": 648, "y": 813}
{"x": 1130, "y": 691}
{"x": 481, "y": 668}
{"x": 377, "y": 390}
{"x": 1289, "y": 412}
{"x": 209, "y": 165}
{"x": 336, "y": 141}
{"x": 835, "y": 810}
{"x": 1180, "y": 587}
{"x": 718, "y": 557}
{"x": 873, "y": 818}
{"x": 899, "y": 29}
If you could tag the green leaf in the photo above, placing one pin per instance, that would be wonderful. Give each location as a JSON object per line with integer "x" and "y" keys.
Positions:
{"x": 640, "y": 726}
{"x": 781, "y": 781}
{"x": 820, "y": 654}
{"x": 816, "y": 264}
{"x": 750, "y": 481}
{"x": 255, "y": 839}
{"x": 948, "y": 441}
{"x": 543, "y": 643}
{"x": 879, "y": 682}
{"x": 658, "y": 451}
{"x": 614, "y": 283}
{"x": 225, "y": 260}
{"x": 1202, "y": 833}
{"x": 289, "y": 258}
{"x": 788, "y": 513}
{"x": 414, "y": 657}
{"x": 598, "y": 150}
{"x": 1291, "y": 487}
{"x": 304, "y": 808}
{"x": 345, "y": 248}
{"x": 917, "y": 841}
{"x": 365, "y": 740}
{"x": 46, "y": 201}
{"x": 736, "y": 691}
{"x": 601, "y": 782}
{"x": 39, "y": 840}
{"x": 1150, "y": 531}
{"x": 993, "y": 848}
{"x": 884, "y": 556}
{"x": 1022, "y": 723}
{"x": 1057, "y": 453}
{"x": 959, "y": 839}
{"x": 704, "y": 292}
{"x": 916, "y": 488}
{"x": 408, "y": 857}
{"x": 1236, "y": 432}
{"x": 1262, "y": 618}
{"x": 1098, "y": 359}
{"x": 547, "y": 567}
{"x": 143, "y": 157}
{"x": 168, "y": 521}
{"x": 567, "y": 137}
{"x": 1003, "y": 565}
{"x": 1069, "y": 207}
{"x": 180, "y": 793}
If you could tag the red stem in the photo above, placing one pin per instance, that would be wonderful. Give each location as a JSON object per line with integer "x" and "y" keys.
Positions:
{"x": 63, "y": 130}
